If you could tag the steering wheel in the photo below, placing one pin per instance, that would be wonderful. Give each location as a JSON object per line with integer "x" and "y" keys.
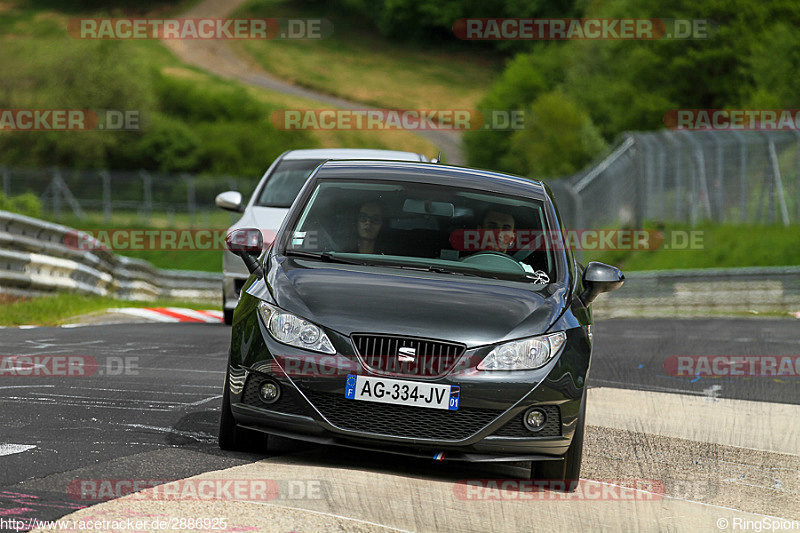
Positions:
{"x": 492, "y": 259}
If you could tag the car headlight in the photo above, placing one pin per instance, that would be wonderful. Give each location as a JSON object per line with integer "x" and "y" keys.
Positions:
{"x": 293, "y": 330}
{"x": 524, "y": 354}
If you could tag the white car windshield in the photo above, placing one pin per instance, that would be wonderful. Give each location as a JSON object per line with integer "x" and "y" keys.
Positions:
{"x": 285, "y": 182}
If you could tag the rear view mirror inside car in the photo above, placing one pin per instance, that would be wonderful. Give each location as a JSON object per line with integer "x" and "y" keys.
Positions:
{"x": 427, "y": 207}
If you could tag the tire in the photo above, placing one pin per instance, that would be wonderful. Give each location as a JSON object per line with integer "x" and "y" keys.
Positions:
{"x": 233, "y": 438}
{"x": 568, "y": 468}
{"x": 227, "y": 314}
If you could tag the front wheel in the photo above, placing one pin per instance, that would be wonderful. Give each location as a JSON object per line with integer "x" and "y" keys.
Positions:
{"x": 233, "y": 438}
{"x": 567, "y": 469}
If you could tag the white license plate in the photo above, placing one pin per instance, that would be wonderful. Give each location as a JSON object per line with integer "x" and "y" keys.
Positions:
{"x": 401, "y": 392}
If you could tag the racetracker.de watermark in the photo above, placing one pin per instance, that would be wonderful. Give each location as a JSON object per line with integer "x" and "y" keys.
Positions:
{"x": 733, "y": 119}
{"x": 553, "y": 490}
{"x": 69, "y": 120}
{"x": 473, "y": 240}
{"x": 255, "y": 490}
{"x": 421, "y": 364}
{"x": 561, "y": 29}
{"x": 199, "y": 28}
{"x": 72, "y": 366}
{"x": 733, "y": 365}
{"x": 152, "y": 239}
{"x": 398, "y": 119}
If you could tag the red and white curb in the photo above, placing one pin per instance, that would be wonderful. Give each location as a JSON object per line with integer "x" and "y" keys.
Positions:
{"x": 796, "y": 314}
{"x": 172, "y": 314}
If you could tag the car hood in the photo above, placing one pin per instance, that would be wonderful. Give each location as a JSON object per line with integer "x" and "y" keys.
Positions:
{"x": 473, "y": 311}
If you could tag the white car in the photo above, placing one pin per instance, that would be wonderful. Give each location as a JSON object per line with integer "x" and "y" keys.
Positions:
{"x": 272, "y": 198}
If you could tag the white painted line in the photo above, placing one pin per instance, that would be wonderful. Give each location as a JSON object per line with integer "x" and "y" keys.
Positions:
{"x": 28, "y": 387}
{"x": 11, "y": 449}
{"x": 764, "y": 426}
{"x": 204, "y": 400}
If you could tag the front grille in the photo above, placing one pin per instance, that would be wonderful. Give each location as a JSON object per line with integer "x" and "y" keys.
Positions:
{"x": 400, "y": 420}
{"x": 516, "y": 427}
{"x": 289, "y": 402}
{"x": 432, "y": 358}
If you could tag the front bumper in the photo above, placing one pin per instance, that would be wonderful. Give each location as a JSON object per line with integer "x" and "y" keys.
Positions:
{"x": 487, "y": 427}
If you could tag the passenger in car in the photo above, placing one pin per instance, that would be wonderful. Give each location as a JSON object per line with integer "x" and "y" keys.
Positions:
{"x": 369, "y": 224}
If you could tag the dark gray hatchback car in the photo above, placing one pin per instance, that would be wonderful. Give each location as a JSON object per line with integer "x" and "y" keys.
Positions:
{"x": 418, "y": 309}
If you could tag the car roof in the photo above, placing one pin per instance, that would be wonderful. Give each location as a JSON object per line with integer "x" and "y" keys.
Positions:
{"x": 432, "y": 173}
{"x": 353, "y": 153}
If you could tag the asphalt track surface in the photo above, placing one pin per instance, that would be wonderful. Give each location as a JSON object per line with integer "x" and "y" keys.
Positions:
{"x": 158, "y": 419}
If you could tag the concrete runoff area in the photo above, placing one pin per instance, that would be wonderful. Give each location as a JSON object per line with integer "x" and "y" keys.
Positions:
{"x": 652, "y": 461}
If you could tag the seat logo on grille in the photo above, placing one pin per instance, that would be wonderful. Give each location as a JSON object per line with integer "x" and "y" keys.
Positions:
{"x": 407, "y": 354}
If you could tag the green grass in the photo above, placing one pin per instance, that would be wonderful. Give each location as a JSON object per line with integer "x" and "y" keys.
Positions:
{"x": 58, "y": 309}
{"x": 723, "y": 246}
{"x": 355, "y": 62}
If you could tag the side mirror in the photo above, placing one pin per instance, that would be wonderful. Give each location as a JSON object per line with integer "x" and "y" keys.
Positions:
{"x": 248, "y": 244}
{"x": 230, "y": 201}
{"x": 599, "y": 278}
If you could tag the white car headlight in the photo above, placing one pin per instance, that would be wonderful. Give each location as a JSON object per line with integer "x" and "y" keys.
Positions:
{"x": 524, "y": 354}
{"x": 293, "y": 330}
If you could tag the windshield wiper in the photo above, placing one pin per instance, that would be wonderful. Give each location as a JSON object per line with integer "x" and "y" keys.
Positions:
{"x": 431, "y": 268}
{"x": 324, "y": 256}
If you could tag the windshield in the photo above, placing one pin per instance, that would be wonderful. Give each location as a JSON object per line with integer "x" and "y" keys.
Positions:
{"x": 285, "y": 182}
{"x": 425, "y": 227}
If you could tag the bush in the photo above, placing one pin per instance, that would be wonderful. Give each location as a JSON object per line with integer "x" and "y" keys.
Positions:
{"x": 25, "y": 204}
{"x": 186, "y": 125}
{"x": 559, "y": 138}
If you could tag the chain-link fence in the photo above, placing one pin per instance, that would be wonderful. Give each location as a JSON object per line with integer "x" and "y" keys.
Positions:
{"x": 669, "y": 176}
{"x": 688, "y": 177}
{"x": 76, "y": 193}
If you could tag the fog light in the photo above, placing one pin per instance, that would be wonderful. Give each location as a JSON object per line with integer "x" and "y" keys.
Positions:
{"x": 535, "y": 419}
{"x": 269, "y": 392}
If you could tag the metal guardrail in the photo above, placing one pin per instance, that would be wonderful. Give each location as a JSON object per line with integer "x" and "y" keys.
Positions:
{"x": 705, "y": 291}
{"x": 35, "y": 260}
